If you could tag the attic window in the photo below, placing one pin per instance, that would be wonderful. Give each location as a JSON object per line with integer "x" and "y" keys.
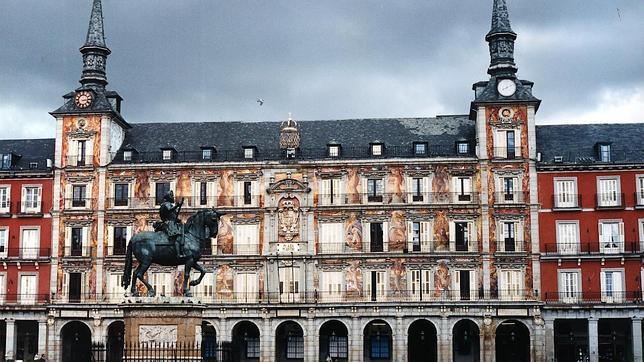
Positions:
{"x": 33, "y": 165}
{"x": 127, "y": 155}
{"x": 420, "y": 148}
{"x": 206, "y": 153}
{"x": 376, "y": 149}
{"x": 167, "y": 154}
{"x": 249, "y": 152}
{"x": 6, "y": 161}
{"x": 604, "y": 152}
{"x": 462, "y": 148}
{"x": 333, "y": 150}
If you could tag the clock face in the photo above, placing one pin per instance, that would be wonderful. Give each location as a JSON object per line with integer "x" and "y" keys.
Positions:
{"x": 506, "y": 87}
{"x": 84, "y": 99}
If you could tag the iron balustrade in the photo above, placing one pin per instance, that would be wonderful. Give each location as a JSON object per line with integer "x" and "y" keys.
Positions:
{"x": 79, "y": 161}
{"x": 82, "y": 251}
{"x": 566, "y": 201}
{"x": 507, "y": 153}
{"x": 30, "y": 207}
{"x": 301, "y": 154}
{"x": 609, "y": 200}
{"x": 30, "y": 299}
{"x": 421, "y": 246}
{"x": 152, "y": 202}
{"x": 594, "y": 297}
{"x": 515, "y": 197}
{"x": 365, "y": 198}
{"x": 79, "y": 203}
{"x": 25, "y": 253}
{"x": 510, "y": 246}
{"x": 592, "y": 248}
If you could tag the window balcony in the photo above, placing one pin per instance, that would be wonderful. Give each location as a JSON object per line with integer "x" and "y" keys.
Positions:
{"x": 594, "y": 297}
{"x": 79, "y": 161}
{"x": 24, "y": 299}
{"x": 469, "y": 246}
{"x": 77, "y": 251}
{"x": 510, "y": 246}
{"x": 424, "y": 198}
{"x": 78, "y": 203}
{"x": 563, "y": 202}
{"x": 506, "y": 153}
{"x": 508, "y": 198}
{"x": 5, "y": 208}
{"x": 25, "y": 253}
{"x": 31, "y": 208}
{"x": 639, "y": 199}
{"x": 611, "y": 200}
{"x": 592, "y": 248}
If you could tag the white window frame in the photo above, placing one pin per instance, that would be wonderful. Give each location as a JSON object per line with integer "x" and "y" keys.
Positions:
{"x": 29, "y": 298}
{"x": 511, "y": 284}
{"x": 639, "y": 190}
{"x": 334, "y": 151}
{"x": 330, "y": 192}
{"x": 378, "y": 188}
{"x": 205, "y": 291}
{"x": 456, "y": 284}
{"x": 246, "y": 287}
{"x": 518, "y": 235}
{"x": 612, "y": 245}
{"x": 640, "y": 223}
{"x": 616, "y": 293}
{"x": 572, "y": 295}
{"x": 382, "y": 285}
{"x": 568, "y": 247}
{"x": 424, "y": 236}
{"x": 159, "y": 280}
{"x": 130, "y": 187}
{"x": 32, "y": 252}
{"x": 254, "y": 193}
{"x": 331, "y": 237}
{"x": 5, "y": 199}
{"x": 127, "y": 155}
{"x": 290, "y": 284}
{"x": 472, "y": 234}
{"x": 609, "y": 198}
{"x": 567, "y": 198}
{"x": 3, "y": 288}
{"x": 211, "y": 193}
{"x": 462, "y": 192}
{"x": 332, "y": 286}
{"x": 166, "y": 155}
{"x": 246, "y": 239}
{"x": 114, "y": 288}
{"x": 515, "y": 193}
{"x": 500, "y": 143}
{"x": 4, "y": 241}
{"x": 249, "y": 153}
{"x": 421, "y": 283}
{"x": 425, "y": 189}
{"x": 376, "y": 149}
{"x": 28, "y": 207}
{"x": 206, "y": 154}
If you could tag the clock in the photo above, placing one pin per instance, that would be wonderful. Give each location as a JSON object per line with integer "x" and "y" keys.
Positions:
{"x": 83, "y": 99}
{"x": 506, "y": 87}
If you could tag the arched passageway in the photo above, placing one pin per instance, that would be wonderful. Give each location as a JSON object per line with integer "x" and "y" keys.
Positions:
{"x": 466, "y": 345}
{"x": 334, "y": 341}
{"x": 512, "y": 342}
{"x": 245, "y": 344}
{"x": 422, "y": 342}
{"x": 289, "y": 342}
{"x": 208, "y": 342}
{"x": 377, "y": 341}
{"x": 77, "y": 342}
{"x": 115, "y": 341}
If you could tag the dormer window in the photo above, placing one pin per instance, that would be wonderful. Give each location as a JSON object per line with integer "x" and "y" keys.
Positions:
{"x": 420, "y": 148}
{"x": 33, "y": 165}
{"x": 249, "y": 152}
{"x": 6, "y": 161}
{"x": 207, "y": 153}
{"x": 333, "y": 150}
{"x": 604, "y": 152}
{"x": 127, "y": 155}
{"x": 377, "y": 149}
{"x": 462, "y": 147}
{"x": 167, "y": 155}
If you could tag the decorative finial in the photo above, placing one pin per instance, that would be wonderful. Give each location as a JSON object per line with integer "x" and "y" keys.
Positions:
{"x": 289, "y": 134}
{"x": 95, "y": 51}
{"x": 501, "y": 39}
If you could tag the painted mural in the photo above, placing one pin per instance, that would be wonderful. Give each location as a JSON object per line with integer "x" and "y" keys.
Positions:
{"x": 354, "y": 280}
{"x": 288, "y": 216}
{"x": 395, "y": 192}
{"x": 398, "y": 278}
{"x": 353, "y": 186}
{"x": 225, "y": 235}
{"x": 353, "y": 234}
{"x": 226, "y": 189}
{"x": 397, "y": 231}
{"x": 440, "y": 183}
{"x": 442, "y": 280}
{"x": 224, "y": 282}
{"x": 441, "y": 231}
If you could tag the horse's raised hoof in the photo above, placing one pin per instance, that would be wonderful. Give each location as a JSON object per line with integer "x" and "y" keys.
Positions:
{"x": 151, "y": 293}
{"x": 187, "y": 293}
{"x": 194, "y": 283}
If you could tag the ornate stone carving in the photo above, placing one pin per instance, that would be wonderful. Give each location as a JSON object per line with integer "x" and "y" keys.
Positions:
{"x": 288, "y": 216}
{"x": 157, "y": 334}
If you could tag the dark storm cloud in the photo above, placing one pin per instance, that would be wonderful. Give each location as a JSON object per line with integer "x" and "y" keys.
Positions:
{"x": 200, "y": 60}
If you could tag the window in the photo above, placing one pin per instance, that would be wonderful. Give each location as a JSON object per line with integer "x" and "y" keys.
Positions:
{"x": 380, "y": 348}
{"x": 377, "y": 285}
{"x": 115, "y": 290}
{"x": 509, "y": 194}
{"x": 569, "y": 286}
{"x": 78, "y": 195}
{"x": 162, "y": 283}
{"x": 75, "y": 287}
{"x": 510, "y": 282}
{"x": 568, "y": 237}
{"x": 331, "y": 287}
{"x": 162, "y": 188}
{"x": 509, "y": 236}
{"x": 3, "y": 288}
{"x": 4, "y": 240}
{"x": 330, "y": 192}
{"x": 421, "y": 284}
{"x": 203, "y": 193}
{"x": 167, "y": 155}
{"x": 506, "y": 145}
{"x": 294, "y": 347}
{"x": 604, "y": 153}
{"x": 246, "y": 239}
{"x": 608, "y": 192}
{"x": 376, "y": 241}
{"x": 420, "y": 148}
{"x": 418, "y": 236}
{"x": 566, "y": 193}
{"x": 463, "y": 189}
{"x": 76, "y": 242}
{"x": 120, "y": 240}
{"x": 465, "y": 287}
{"x": 30, "y": 243}
{"x": 418, "y": 186}
{"x": 28, "y": 289}
{"x": 33, "y": 165}
{"x": 6, "y": 161}
{"x": 127, "y": 155}
{"x": 289, "y": 284}
{"x": 611, "y": 236}
{"x": 252, "y": 347}
{"x": 338, "y": 346}
{"x": 31, "y": 199}
{"x": 463, "y": 148}
{"x": 246, "y": 287}
{"x": 612, "y": 286}
{"x": 333, "y": 150}
{"x": 639, "y": 187}
{"x": 376, "y": 149}
{"x": 248, "y": 196}
{"x": 331, "y": 237}
{"x": 121, "y": 194}
{"x": 206, "y": 154}
{"x": 249, "y": 152}
{"x": 4, "y": 199}
{"x": 81, "y": 149}
{"x": 463, "y": 232}
{"x": 375, "y": 188}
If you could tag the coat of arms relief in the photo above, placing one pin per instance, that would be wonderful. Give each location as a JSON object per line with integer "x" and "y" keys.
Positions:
{"x": 288, "y": 216}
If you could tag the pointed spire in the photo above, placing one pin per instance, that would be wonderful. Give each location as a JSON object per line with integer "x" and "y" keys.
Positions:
{"x": 95, "y": 51}
{"x": 501, "y": 39}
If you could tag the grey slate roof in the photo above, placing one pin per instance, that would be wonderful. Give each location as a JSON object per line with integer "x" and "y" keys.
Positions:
{"x": 577, "y": 144}
{"x": 29, "y": 150}
{"x": 441, "y": 131}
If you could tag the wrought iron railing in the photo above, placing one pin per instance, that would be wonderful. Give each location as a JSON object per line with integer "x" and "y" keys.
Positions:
{"x": 590, "y": 248}
{"x": 594, "y": 297}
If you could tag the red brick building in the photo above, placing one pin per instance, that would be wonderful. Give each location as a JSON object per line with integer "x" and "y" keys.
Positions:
{"x": 26, "y": 179}
{"x": 591, "y": 230}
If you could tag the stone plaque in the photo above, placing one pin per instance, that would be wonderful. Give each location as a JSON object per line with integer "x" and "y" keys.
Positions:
{"x": 157, "y": 334}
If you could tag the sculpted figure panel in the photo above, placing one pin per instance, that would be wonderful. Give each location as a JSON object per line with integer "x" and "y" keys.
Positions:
{"x": 224, "y": 282}
{"x": 354, "y": 280}
{"x": 398, "y": 278}
{"x": 396, "y": 186}
{"x": 353, "y": 186}
{"x": 397, "y": 231}
{"x": 442, "y": 280}
{"x": 353, "y": 229}
{"x": 225, "y": 237}
{"x": 441, "y": 232}
{"x": 227, "y": 189}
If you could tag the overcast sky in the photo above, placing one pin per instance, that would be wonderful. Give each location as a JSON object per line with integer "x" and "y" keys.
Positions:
{"x": 209, "y": 60}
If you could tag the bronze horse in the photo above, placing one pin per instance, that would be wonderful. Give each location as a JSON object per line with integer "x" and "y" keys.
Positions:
{"x": 154, "y": 247}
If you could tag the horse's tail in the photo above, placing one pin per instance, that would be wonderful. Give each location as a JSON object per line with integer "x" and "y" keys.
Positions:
{"x": 127, "y": 273}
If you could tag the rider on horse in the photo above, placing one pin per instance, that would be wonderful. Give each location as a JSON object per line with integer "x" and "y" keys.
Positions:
{"x": 171, "y": 225}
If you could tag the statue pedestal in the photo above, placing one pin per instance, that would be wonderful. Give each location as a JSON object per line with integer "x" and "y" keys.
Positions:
{"x": 159, "y": 326}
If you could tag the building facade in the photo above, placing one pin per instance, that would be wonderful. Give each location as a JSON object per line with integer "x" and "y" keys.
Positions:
{"x": 26, "y": 178}
{"x": 591, "y": 192}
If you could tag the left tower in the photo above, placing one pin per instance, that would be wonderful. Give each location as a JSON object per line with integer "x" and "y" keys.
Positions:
{"x": 89, "y": 130}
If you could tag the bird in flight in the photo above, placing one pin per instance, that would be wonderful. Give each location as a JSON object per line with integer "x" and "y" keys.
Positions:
{"x": 260, "y": 101}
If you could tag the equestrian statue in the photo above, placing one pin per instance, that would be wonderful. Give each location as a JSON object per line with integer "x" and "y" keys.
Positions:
{"x": 170, "y": 244}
